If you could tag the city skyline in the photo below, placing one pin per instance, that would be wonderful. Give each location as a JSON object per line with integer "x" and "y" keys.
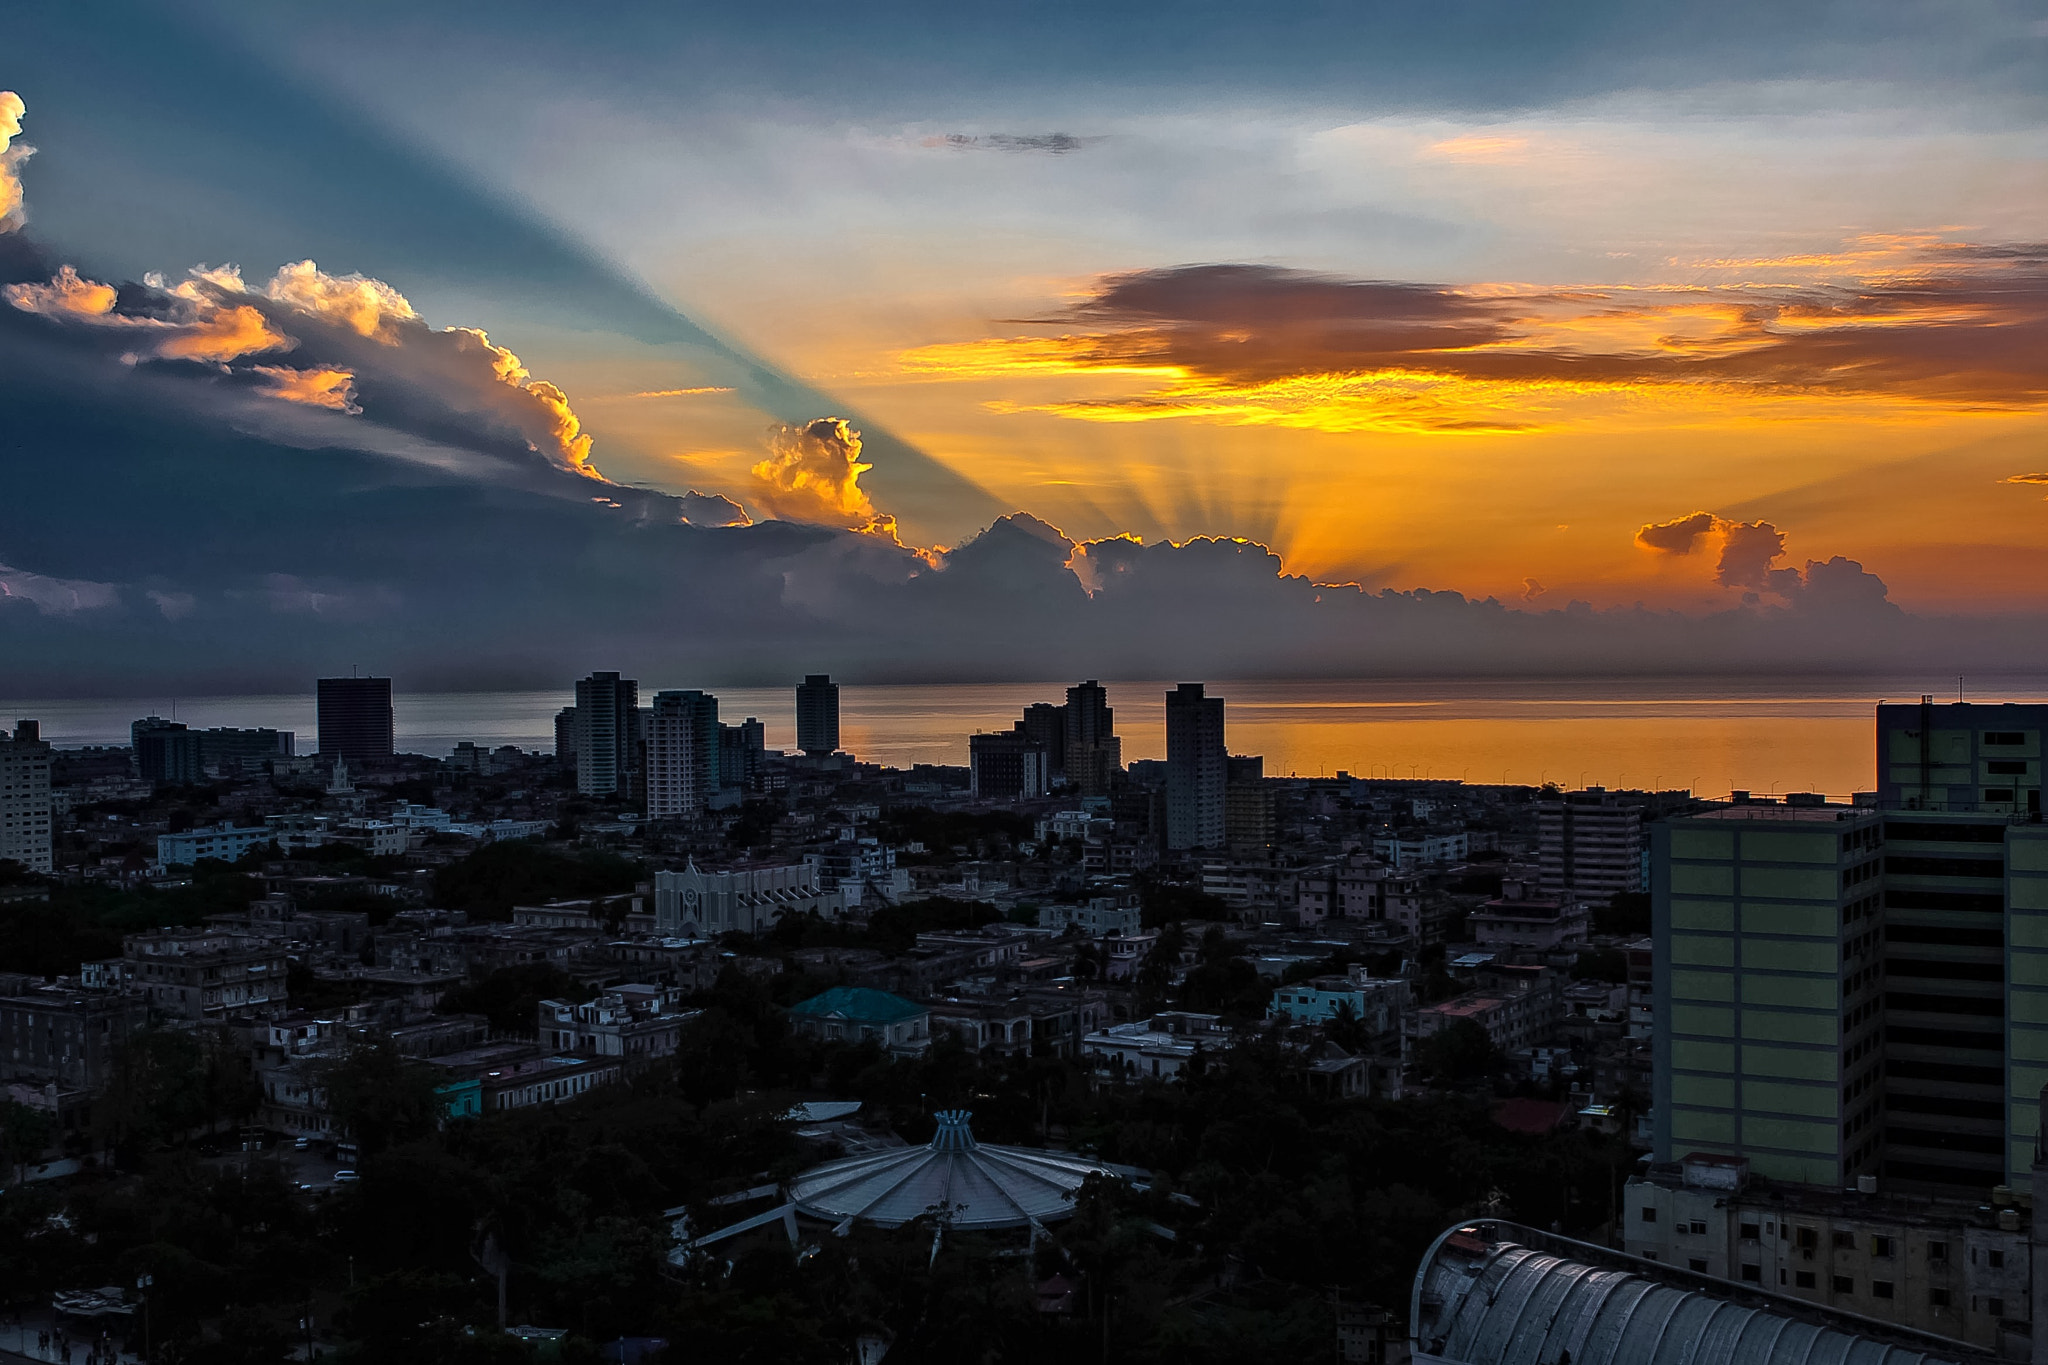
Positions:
{"x": 1740, "y": 381}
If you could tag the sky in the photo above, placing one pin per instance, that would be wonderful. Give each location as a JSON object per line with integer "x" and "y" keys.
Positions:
{"x": 923, "y": 342}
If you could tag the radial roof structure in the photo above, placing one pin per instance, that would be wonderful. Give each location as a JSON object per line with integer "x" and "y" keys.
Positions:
{"x": 970, "y": 1185}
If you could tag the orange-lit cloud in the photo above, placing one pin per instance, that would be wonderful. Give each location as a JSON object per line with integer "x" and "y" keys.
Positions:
{"x": 222, "y": 334}
{"x": 1961, "y": 329}
{"x": 333, "y": 389}
{"x": 67, "y": 292}
{"x": 366, "y": 305}
{"x": 812, "y": 474}
{"x": 682, "y": 393}
{"x": 11, "y": 157}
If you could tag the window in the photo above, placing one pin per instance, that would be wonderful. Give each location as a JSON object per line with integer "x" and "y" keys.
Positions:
{"x": 1937, "y": 1251}
{"x": 1649, "y": 1214}
{"x": 1880, "y": 1246}
{"x": 1845, "y": 1239}
{"x": 1995, "y": 1307}
{"x": 1699, "y": 1227}
{"x": 1881, "y": 1289}
{"x": 2007, "y": 767}
{"x": 1750, "y": 1232}
{"x": 2004, "y": 737}
{"x": 1996, "y": 1259}
{"x": 1808, "y": 1238}
{"x": 1802, "y": 1279}
{"x": 1937, "y": 1298}
{"x": 1781, "y": 1275}
{"x": 1845, "y": 1284}
{"x": 1697, "y": 1264}
{"x": 1753, "y": 1274}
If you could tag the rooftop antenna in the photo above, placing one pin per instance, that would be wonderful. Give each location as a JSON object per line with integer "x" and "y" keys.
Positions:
{"x": 1959, "y": 688}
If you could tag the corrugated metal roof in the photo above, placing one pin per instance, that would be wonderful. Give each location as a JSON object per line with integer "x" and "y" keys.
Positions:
{"x": 1484, "y": 1297}
{"x": 973, "y": 1185}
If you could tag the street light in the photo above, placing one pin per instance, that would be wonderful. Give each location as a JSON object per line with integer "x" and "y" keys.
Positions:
{"x": 143, "y": 1282}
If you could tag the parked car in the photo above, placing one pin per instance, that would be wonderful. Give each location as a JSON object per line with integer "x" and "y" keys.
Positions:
{"x": 346, "y": 1177}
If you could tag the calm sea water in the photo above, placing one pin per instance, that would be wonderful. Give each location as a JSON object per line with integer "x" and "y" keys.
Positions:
{"x": 1710, "y": 736}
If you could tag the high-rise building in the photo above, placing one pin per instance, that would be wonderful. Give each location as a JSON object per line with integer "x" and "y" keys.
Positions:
{"x": 682, "y": 754}
{"x": 565, "y": 738}
{"x": 1965, "y": 756}
{"x": 245, "y": 749}
{"x": 1007, "y": 765}
{"x": 1196, "y": 774}
{"x": 1092, "y": 753}
{"x": 355, "y": 718}
{"x": 1046, "y": 725}
{"x": 1247, "y": 804}
{"x": 1770, "y": 1040}
{"x": 1589, "y": 845}
{"x": 166, "y": 752}
{"x": 25, "y": 798}
{"x": 741, "y": 749}
{"x": 1940, "y": 950}
{"x": 817, "y": 715}
{"x": 607, "y": 735}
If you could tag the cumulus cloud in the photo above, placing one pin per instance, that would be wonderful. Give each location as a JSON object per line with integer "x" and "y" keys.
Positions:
{"x": 359, "y": 347}
{"x": 1933, "y": 324}
{"x": 1748, "y": 549}
{"x": 11, "y": 157}
{"x": 812, "y": 474}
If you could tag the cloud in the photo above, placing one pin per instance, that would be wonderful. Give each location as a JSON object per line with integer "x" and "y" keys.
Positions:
{"x": 1531, "y": 590}
{"x": 2026, "y": 478}
{"x": 1677, "y": 537}
{"x": 1933, "y": 324}
{"x": 11, "y": 157}
{"x": 175, "y": 606}
{"x": 360, "y": 349}
{"x": 1056, "y": 144}
{"x": 1748, "y": 549}
{"x": 812, "y": 474}
{"x": 55, "y": 596}
{"x": 332, "y": 389}
{"x": 682, "y": 393}
{"x": 713, "y": 509}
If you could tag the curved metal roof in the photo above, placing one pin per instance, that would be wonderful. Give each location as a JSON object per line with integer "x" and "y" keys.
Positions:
{"x": 972, "y": 1185}
{"x": 1487, "y": 1300}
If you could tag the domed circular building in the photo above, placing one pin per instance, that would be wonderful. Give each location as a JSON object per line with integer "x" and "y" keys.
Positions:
{"x": 971, "y": 1186}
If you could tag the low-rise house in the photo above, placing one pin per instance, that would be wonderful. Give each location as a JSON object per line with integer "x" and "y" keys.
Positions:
{"x": 855, "y": 1014}
{"x": 66, "y": 1036}
{"x": 745, "y": 899}
{"x": 1157, "y": 1048}
{"x": 1097, "y": 917}
{"x": 206, "y": 975}
{"x": 1516, "y": 1014}
{"x": 636, "y": 1023}
{"x": 1517, "y": 921}
{"x": 224, "y": 842}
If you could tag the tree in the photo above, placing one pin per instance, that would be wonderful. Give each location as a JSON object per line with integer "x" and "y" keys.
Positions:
{"x": 1460, "y": 1051}
{"x": 24, "y": 1135}
{"x": 381, "y": 1096}
{"x": 510, "y": 997}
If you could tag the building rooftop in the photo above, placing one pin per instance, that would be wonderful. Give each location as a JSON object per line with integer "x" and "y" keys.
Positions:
{"x": 859, "y": 1004}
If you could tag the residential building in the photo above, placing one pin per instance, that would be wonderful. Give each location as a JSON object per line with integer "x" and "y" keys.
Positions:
{"x": 565, "y": 738}
{"x": 25, "y": 836}
{"x": 1092, "y": 751}
{"x": 245, "y": 750}
{"x": 66, "y": 1037}
{"x": 1410, "y": 849}
{"x": 1046, "y": 725}
{"x": 1159, "y": 1048}
{"x": 224, "y": 842}
{"x": 683, "y": 749}
{"x": 742, "y": 753}
{"x": 1097, "y": 917}
{"x": 1516, "y": 921}
{"x": 607, "y": 735}
{"x": 1377, "y": 1005}
{"x": 1196, "y": 769}
{"x": 1769, "y": 967}
{"x": 1953, "y": 1268}
{"x": 746, "y": 898}
{"x": 817, "y": 715}
{"x": 855, "y": 1014}
{"x": 167, "y": 753}
{"x": 1008, "y": 765}
{"x": 355, "y": 718}
{"x": 1516, "y": 1013}
{"x": 1247, "y": 805}
{"x": 1590, "y": 845}
{"x": 636, "y": 1023}
{"x": 201, "y": 976}
{"x": 1961, "y": 756}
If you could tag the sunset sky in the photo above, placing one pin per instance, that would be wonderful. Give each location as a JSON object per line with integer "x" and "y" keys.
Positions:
{"x": 1608, "y": 303}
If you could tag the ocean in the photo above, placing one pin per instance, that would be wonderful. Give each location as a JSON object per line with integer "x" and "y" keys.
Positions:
{"x": 1707, "y": 735}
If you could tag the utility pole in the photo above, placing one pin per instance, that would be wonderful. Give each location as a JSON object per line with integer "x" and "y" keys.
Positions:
{"x": 144, "y": 1282}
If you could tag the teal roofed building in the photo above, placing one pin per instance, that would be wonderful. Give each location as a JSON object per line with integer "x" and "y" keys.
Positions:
{"x": 854, "y": 1014}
